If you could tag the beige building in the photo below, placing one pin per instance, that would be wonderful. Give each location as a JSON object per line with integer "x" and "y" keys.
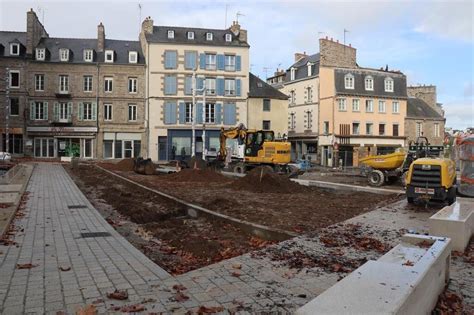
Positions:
{"x": 266, "y": 107}
{"x": 220, "y": 59}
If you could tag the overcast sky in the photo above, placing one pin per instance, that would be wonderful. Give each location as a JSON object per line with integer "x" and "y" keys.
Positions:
{"x": 430, "y": 41}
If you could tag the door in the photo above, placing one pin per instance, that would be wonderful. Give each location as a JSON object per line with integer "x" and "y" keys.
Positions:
{"x": 346, "y": 155}
{"x": 127, "y": 149}
{"x": 162, "y": 149}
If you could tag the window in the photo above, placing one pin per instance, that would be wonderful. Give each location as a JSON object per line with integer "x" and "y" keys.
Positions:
{"x": 88, "y": 55}
{"x": 132, "y": 85}
{"x": 266, "y": 125}
{"x": 14, "y": 78}
{"x": 14, "y": 49}
{"x": 14, "y": 106}
{"x": 309, "y": 119}
{"x": 63, "y": 113}
{"x": 292, "y": 121}
{"x": 395, "y": 107}
{"x": 266, "y": 105}
{"x": 210, "y": 62}
{"x": 388, "y": 84}
{"x": 342, "y": 104}
{"x": 40, "y": 111}
{"x": 326, "y": 127}
{"x": 210, "y": 86}
{"x": 381, "y": 106}
{"x": 381, "y": 129}
{"x": 292, "y": 74}
{"x": 355, "y": 128}
{"x": 132, "y": 57}
{"x": 419, "y": 129}
{"x": 170, "y": 84}
{"x": 369, "y": 83}
{"x": 64, "y": 54}
{"x": 190, "y": 35}
{"x": 190, "y": 60}
{"x": 369, "y": 128}
{"x": 229, "y": 63}
{"x": 63, "y": 84}
{"x": 292, "y": 97}
{"x": 209, "y": 36}
{"x": 349, "y": 81}
{"x": 109, "y": 56}
{"x": 40, "y": 53}
{"x": 170, "y": 34}
{"x": 87, "y": 83}
{"x": 309, "y": 94}
{"x": 108, "y": 149}
{"x": 108, "y": 84}
{"x": 210, "y": 113}
{"x": 355, "y": 105}
{"x": 87, "y": 111}
{"x": 108, "y": 112}
{"x": 44, "y": 147}
{"x": 436, "y": 130}
{"x": 188, "y": 118}
{"x": 228, "y": 37}
{"x": 395, "y": 130}
{"x": 132, "y": 112}
{"x": 229, "y": 87}
{"x": 39, "y": 82}
{"x": 310, "y": 69}
{"x": 171, "y": 59}
{"x": 369, "y": 106}
{"x": 15, "y": 143}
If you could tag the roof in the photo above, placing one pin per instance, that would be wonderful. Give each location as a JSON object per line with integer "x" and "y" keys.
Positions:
{"x": 301, "y": 69}
{"x": 160, "y": 35}
{"x": 260, "y": 89}
{"x": 418, "y": 108}
{"x": 399, "y": 82}
{"x": 77, "y": 46}
{"x": 7, "y": 37}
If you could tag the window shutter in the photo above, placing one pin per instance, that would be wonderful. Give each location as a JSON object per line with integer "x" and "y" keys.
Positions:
{"x": 170, "y": 113}
{"x": 218, "y": 113}
{"x": 237, "y": 87}
{"x": 69, "y": 110}
{"x": 182, "y": 113}
{"x": 173, "y": 84}
{"x": 56, "y": 111}
{"x": 94, "y": 111}
{"x": 32, "y": 111}
{"x": 238, "y": 63}
{"x": 199, "y": 85}
{"x": 173, "y": 58}
{"x": 188, "y": 82}
{"x": 220, "y": 86}
{"x": 230, "y": 116}
{"x": 220, "y": 62}
{"x": 45, "y": 110}
{"x": 199, "y": 113}
{"x": 202, "y": 61}
{"x": 192, "y": 57}
{"x": 81, "y": 111}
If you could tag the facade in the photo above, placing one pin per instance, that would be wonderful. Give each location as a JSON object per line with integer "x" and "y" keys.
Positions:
{"x": 220, "y": 58}
{"x": 267, "y": 107}
{"x": 423, "y": 121}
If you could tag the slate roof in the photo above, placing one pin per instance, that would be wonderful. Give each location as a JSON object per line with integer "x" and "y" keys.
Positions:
{"x": 260, "y": 89}
{"x": 77, "y": 46}
{"x": 419, "y": 108}
{"x": 399, "y": 81}
{"x": 302, "y": 69}
{"x": 160, "y": 35}
{"x": 7, "y": 37}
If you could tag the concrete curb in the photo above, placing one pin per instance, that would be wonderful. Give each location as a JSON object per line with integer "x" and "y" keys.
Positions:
{"x": 193, "y": 210}
{"x": 329, "y": 185}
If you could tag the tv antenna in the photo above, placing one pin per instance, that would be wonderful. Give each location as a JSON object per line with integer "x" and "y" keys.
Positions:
{"x": 345, "y": 31}
{"x": 139, "y": 17}
{"x": 41, "y": 10}
{"x": 237, "y": 16}
{"x": 265, "y": 69}
{"x": 226, "y": 9}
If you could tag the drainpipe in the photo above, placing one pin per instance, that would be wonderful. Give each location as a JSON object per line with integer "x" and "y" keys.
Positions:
{"x": 204, "y": 121}
{"x": 147, "y": 103}
{"x": 97, "y": 108}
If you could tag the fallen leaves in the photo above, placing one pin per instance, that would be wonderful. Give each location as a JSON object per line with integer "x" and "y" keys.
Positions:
{"x": 179, "y": 287}
{"x": 351, "y": 235}
{"x": 26, "y": 266}
{"x": 180, "y": 297}
{"x": 131, "y": 308}
{"x": 209, "y": 309}
{"x": 408, "y": 263}
{"x": 237, "y": 266}
{"x": 87, "y": 310}
{"x": 64, "y": 268}
{"x": 118, "y": 295}
{"x": 449, "y": 303}
{"x": 256, "y": 242}
{"x": 236, "y": 274}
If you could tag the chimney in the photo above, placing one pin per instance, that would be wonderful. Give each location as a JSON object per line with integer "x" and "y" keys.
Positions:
{"x": 334, "y": 54}
{"x": 298, "y": 56}
{"x": 241, "y": 33}
{"x": 100, "y": 37}
{"x": 147, "y": 26}
{"x": 34, "y": 32}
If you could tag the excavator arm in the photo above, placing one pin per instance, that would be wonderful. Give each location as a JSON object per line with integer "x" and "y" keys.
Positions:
{"x": 238, "y": 132}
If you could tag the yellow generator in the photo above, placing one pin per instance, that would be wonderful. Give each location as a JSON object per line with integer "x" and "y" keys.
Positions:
{"x": 431, "y": 179}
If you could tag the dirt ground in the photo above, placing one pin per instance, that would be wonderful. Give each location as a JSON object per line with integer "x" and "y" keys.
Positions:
{"x": 263, "y": 199}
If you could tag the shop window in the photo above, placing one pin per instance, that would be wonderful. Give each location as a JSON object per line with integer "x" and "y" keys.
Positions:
{"x": 137, "y": 146}
{"x": 14, "y": 106}
{"x": 118, "y": 149}
{"x": 108, "y": 149}
{"x": 15, "y": 143}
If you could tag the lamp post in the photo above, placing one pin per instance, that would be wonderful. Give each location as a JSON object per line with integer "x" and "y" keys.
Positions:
{"x": 7, "y": 109}
{"x": 195, "y": 113}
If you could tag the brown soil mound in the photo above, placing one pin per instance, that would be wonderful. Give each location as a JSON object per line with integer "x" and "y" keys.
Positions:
{"x": 125, "y": 165}
{"x": 197, "y": 175}
{"x": 262, "y": 181}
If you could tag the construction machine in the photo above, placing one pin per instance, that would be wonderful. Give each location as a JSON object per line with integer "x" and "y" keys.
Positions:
{"x": 254, "y": 148}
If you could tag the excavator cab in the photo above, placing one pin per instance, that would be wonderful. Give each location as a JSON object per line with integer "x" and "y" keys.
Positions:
{"x": 255, "y": 140}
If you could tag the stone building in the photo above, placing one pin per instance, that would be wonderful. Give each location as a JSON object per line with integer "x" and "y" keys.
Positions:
{"x": 218, "y": 57}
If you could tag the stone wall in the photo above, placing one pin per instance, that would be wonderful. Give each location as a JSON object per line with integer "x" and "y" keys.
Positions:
{"x": 34, "y": 32}
{"x": 334, "y": 54}
{"x": 426, "y": 93}
{"x": 428, "y": 129}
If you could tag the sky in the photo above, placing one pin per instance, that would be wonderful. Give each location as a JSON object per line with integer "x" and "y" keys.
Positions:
{"x": 430, "y": 41}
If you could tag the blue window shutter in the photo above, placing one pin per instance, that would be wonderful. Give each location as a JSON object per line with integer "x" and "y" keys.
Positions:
{"x": 220, "y": 86}
{"x": 238, "y": 63}
{"x": 174, "y": 60}
{"x": 170, "y": 59}
{"x": 202, "y": 61}
{"x": 188, "y": 82}
{"x": 199, "y": 113}
{"x": 170, "y": 85}
{"x": 190, "y": 60}
{"x": 173, "y": 85}
{"x": 218, "y": 113}
{"x": 32, "y": 111}
{"x": 220, "y": 62}
{"x": 193, "y": 57}
{"x": 237, "y": 87}
{"x": 167, "y": 85}
{"x": 167, "y": 59}
{"x": 167, "y": 111}
{"x": 199, "y": 84}
{"x": 182, "y": 113}
{"x": 230, "y": 116}
{"x": 170, "y": 113}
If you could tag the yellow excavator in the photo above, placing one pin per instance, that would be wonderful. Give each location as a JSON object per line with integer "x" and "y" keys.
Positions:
{"x": 254, "y": 148}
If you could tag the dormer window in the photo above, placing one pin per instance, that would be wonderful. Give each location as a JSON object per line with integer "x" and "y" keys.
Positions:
{"x": 109, "y": 56}
{"x": 209, "y": 36}
{"x": 228, "y": 38}
{"x": 170, "y": 34}
{"x": 14, "y": 49}
{"x": 132, "y": 57}
{"x": 64, "y": 54}
{"x": 292, "y": 73}
{"x": 388, "y": 85}
{"x": 369, "y": 83}
{"x": 310, "y": 69}
{"x": 40, "y": 54}
{"x": 88, "y": 55}
{"x": 190, "y": 35}
{"x": 349, "y": 81}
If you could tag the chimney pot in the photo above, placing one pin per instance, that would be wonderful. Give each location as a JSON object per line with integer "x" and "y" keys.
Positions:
{"x": 326, "y": 37}
{"x": 350, "y": 45}
{"x": 337, "y": 41}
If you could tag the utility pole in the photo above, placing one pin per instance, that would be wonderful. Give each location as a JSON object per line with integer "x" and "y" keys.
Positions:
{"x": 193, "y": 120}
{"x": 204, "y": 92}
{"x": 7, "y": 110}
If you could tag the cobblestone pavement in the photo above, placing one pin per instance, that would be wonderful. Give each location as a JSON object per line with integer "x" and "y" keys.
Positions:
{"x": 255, "y": 282}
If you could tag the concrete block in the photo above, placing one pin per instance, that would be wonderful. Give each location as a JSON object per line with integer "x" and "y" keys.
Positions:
{"x": 66, "y": 158}
{"x": 456, "y": 222}
{"x": 406, "y": 280}
{"x": 8, "y": 197}
{"x": 10, "y": 188}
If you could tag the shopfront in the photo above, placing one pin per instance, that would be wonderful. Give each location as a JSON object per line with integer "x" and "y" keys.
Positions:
{"x": 120, "y": 145}
{"x": 178, "y": 144}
